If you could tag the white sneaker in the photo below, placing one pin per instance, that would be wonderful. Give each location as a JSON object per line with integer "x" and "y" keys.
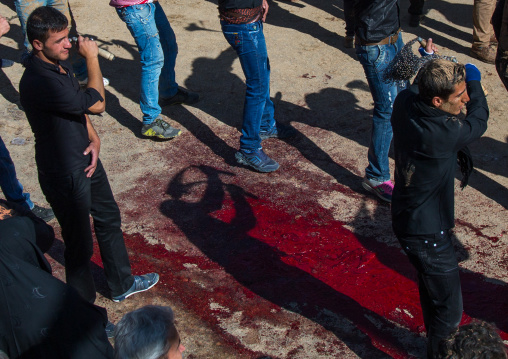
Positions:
{"x": 84, "y": 82}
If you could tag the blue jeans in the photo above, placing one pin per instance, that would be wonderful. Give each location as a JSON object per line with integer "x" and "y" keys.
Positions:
{"x": 249, "y": 43}
{"x": 375, "y": 60}
{"x": 157, "y": 47}
{"x": 434, "y": 258}
{"x": 11, "y": 187}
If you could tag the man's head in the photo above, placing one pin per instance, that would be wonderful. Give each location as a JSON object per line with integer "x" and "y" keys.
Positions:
{"x": 473, "y": 341}
{"x": 47, "y": 31}
{"x": 441, "y": 84}
{"x": 148, "y": 333}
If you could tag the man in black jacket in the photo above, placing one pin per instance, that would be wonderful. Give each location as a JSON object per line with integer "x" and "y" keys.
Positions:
{"x": 427, "y": 137}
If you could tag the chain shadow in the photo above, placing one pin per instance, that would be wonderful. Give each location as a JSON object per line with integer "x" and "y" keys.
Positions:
{"x": 259, "y": 267}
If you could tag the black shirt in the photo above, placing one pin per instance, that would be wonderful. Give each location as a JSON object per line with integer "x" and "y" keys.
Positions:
{"x": 239, "y": 4}
{"x": 425, "y": 142}
{"x": 55, "y": 107}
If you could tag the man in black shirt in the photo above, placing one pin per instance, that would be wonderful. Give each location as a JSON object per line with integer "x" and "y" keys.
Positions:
{"x": 67, "y": 155}
{"x": 427, "y": 138}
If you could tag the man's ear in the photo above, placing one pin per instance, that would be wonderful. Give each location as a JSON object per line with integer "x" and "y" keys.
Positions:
{"x": 437, "y": 101}
{"x": 38, "y": 45}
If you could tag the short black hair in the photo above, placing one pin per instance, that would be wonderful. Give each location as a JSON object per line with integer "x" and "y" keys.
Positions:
{"x": 42, "y": 21}
{"x": 478, "y": 340}
{"x": 438, "y": 78}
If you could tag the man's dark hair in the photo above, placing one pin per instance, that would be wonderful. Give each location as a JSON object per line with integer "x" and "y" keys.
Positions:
{"x": 146, "y": 333}
{"x": 438, "y": 78}
{"x": 473, "y": 341}
{"x": 42, "y": 21}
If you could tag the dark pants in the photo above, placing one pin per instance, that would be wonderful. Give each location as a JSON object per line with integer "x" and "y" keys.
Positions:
{"x": 416, "y": 7}
{"x": 73, "y": 198}
{"x": 434, "y": 258}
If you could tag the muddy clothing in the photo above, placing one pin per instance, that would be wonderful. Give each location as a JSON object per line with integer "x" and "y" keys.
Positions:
{"x": 55, "y": 107}
{"x": 376, "y": 19}
{"x": 42, "y": 317}
{"x": 426, "y": 142}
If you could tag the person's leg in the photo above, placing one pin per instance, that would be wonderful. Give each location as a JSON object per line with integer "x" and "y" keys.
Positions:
{"x": 434, "y": 258}
{"x": 11, "y": 187}
{"x": 70, "y": 198}
{"x": 107, "y": 222}
{"x": 167, "y": 83}
{"x": 416, "y": 7}
{"x": 140, "y": 20}
{"x": 24, "y": 8}
{"x": 249, "y": 43}
{"x": 483, "y": 31}
{"x": 375, "y": 60}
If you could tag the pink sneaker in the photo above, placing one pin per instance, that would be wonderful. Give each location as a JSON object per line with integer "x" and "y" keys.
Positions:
{"x": 383, "y": 190}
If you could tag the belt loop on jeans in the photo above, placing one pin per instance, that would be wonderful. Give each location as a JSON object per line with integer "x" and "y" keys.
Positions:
{"x": 389, "y": 40}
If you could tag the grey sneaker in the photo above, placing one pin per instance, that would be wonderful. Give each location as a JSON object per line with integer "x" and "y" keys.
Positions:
{"x": 141, "y": 283}
{"x": 383, "y": 190}
{"x": 182, "y": 96}
{"x": 160, "y": 129}
{"x": 257, "y": 160}
{"x": 44, "y": 213}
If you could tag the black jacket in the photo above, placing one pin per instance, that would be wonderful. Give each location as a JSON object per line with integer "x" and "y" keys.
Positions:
{"x": 239, "y": 4}
{"x": 426, "y": 141}
{"x": 375, "y": 19}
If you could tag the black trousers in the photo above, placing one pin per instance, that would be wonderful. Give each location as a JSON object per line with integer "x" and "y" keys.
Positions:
{"x": 416, "y": 7}
{"x": 74, "y": 198}
{"x": 434, "y": 258}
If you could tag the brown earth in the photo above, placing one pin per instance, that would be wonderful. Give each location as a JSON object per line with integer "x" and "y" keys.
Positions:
{"x": 300, "y": 263}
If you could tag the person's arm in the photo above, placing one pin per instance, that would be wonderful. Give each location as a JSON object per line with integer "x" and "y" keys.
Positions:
{"x": 475, "y": 123}
{"x": 89, "y": 50}
{"x": 93, "y": 148}
{"x": 4, "y": 26}
{"x": 265, "y": 10}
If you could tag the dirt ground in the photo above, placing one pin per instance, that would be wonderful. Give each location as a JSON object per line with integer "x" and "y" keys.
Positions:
{"x": 300, "y": 263}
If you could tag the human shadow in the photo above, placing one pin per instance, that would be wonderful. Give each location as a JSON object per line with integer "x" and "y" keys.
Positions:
{"x": 491, "y": 156}
{"x": 260, "y": 268}
{"x": 484, "y": 297}
{"x": 224, "y": 101}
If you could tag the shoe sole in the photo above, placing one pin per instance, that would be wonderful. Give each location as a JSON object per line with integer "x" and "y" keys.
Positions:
{"x": 242, "y": 161}
{"x": 474, "y": 55}
{"x": 367, "y": 187}
{"x": 139, "y": 291}
{"x": 152, "y": 133}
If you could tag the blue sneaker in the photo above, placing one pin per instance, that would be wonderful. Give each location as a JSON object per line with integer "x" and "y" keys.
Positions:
{"x": 141, "y": 283}
{"x": 257, "y": 160}
{"x": 278, "y": 131}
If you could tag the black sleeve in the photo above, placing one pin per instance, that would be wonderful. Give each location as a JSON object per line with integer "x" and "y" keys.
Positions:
{"x": 475, "y": 123}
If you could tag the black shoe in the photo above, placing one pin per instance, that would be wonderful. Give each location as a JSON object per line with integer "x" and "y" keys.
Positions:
{"x": 110, "y": 330}
{"x": 182, "y": 96}
{"x": 45, "y": 213}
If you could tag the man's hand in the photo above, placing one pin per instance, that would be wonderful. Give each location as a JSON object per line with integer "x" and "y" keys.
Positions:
{"x": 87, "y": 48}
{"x": 4, "y": 26}
{"x": 93, "y": 148}
{"x": 429, "y": 48}
{"x": 265, "y": 10}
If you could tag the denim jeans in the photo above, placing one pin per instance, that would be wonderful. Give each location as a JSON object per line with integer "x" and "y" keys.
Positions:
{"x": 73, "y": 198}
{"x": 157, "y": 47}
{"x": 11, "y": 187}
{"x": 375, "y": 60}
{"x": 434, "y": 258}
{"x": 249, "y": 43}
